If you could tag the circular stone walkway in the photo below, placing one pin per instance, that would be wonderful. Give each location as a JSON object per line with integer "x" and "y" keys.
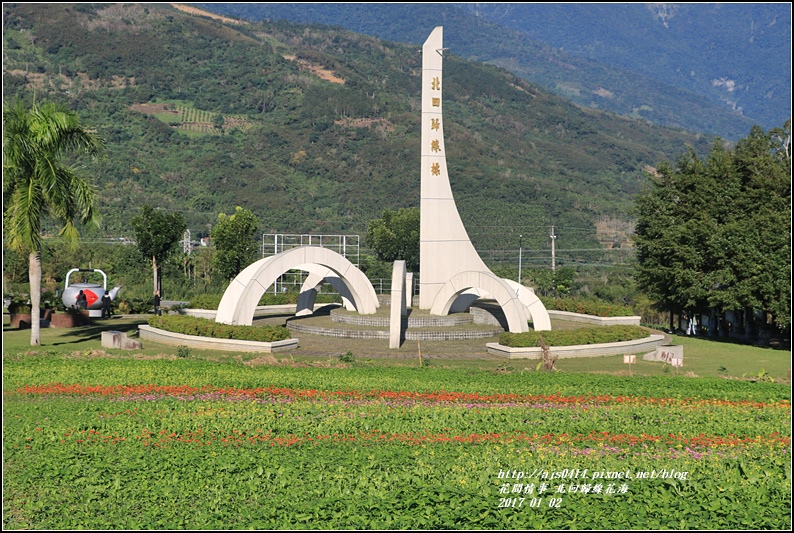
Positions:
{"x": 421, "y": 325}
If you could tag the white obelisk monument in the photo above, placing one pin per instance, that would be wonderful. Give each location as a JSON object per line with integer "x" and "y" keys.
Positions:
{"x": 449, "y": 264}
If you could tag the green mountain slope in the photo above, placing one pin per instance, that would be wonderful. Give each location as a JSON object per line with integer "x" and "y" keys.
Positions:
{"x": 736, "y": 54}
{"x": 512, "y": 36}
{"x": 316, "y": 129}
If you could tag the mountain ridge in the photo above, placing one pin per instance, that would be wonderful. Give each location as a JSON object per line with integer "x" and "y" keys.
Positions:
{"x": 583, "y": 80}
{"x": 308, "y": 154}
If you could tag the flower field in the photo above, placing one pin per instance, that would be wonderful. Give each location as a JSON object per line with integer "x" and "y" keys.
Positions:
{"x": 123, "y": 444}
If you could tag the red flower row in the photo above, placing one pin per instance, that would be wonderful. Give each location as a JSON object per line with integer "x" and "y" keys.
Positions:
{"x": 440, "y": 397}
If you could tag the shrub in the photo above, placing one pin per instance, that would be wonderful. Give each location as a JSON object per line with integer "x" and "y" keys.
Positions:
{"x": 19, "y": 305}
{"x": 594, "y": 335}
{"x": 587, "y": 307}
{"x": 134, "y": 306}
{"x": 212, "y": 301}
{"x": 205, "y": 301}
{"x": 202, "y": 327}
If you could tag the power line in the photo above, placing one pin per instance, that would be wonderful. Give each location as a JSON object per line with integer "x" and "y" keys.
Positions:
{"x": 501, "y": 228}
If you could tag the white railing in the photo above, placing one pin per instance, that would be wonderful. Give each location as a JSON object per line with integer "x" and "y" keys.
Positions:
{"x": 348, "y": 246}
{"x": 292, "y": 281}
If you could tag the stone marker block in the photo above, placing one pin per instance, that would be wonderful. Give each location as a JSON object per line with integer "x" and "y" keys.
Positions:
{"x": 119, "y": 340}
{"x": 665, "y": 353}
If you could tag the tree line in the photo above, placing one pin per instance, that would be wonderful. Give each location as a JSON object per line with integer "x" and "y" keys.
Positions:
{"x": 713, "y": 235}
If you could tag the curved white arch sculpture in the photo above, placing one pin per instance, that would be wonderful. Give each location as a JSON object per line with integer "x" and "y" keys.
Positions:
{"x": 487, "y": 282}
{"x": 308, "y": 293}
{"x": 533, "y": 307}
{"x": 446, "y": 252}
{"x": 244, "y": 292}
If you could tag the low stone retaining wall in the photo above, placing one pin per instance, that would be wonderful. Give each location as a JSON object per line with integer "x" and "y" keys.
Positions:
{"x": 645, "y": 345}
{"x": 490, "y": 315}
{"x": 478, "y": 314}
{"x": 209, "y": 343}
{"x": 413, "y": 320}
{"x": 385, "y": 300}
{"x": 439, "y": 335}
{"x": 201, "y": 313}
{"x": 339, "y": 332}
{"x": 482, "y": 314}
{"x": 461, "y": 335}
{"x": 596, "y": 320}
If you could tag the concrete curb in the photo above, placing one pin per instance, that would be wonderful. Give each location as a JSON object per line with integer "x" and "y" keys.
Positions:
{"x": 424, "y": 335}
{"x": 645, "y": 345}
{"x": 209, "y": 343}
{"x": 596, "y": 320}
{"x": 262, "y": 310}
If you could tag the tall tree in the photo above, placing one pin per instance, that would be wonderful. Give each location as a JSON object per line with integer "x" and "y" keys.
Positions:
{"x": 715, "y": 234}
{"x": 156, "y": 236}
{"x": 39, "y": 184}
{"x": 395, "y": 236}
{"x": 761, "y": 244}
{"x": 234, "y": 240}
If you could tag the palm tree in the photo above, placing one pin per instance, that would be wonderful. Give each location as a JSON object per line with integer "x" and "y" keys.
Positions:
{"x": 37, "y": 183}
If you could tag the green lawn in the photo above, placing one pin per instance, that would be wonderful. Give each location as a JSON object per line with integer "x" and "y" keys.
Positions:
{"x": 702, "y": 357}
{"x": 110, "y": 439}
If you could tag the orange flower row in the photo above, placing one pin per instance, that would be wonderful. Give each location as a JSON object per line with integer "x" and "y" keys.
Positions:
{"x": 439, "y": 397}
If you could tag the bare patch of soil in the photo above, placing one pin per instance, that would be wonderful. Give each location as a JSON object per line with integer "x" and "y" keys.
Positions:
{"x": 95, "y": 354}
{"x": 196, "y": 11}
{"x": 259, "y": 361}
{"x": 320, "y": 72}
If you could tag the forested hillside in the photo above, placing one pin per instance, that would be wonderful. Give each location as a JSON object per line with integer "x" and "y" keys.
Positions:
{"x": 316, "y": 129}
{"x": 605, "y": 56}
{"x": 735, "y": 54}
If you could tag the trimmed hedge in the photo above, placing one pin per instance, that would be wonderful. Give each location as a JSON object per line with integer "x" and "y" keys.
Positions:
{"x": 586, "y": 307}
{"x": 205, "y": 301}
{"x": 573, "y": 337}
{"x": 202, "y": 327}
{"x": 134, "y": 306}
{"x": 211, "y": 301}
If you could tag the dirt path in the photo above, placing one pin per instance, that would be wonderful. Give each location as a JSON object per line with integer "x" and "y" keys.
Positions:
{"x": 196, "y": 11}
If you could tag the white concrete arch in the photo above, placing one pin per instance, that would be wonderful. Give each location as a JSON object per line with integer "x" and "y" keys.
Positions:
{"x": 486, "y": 282}
{"x": 535, "y": 309}
{"x": 308, "y": 293}
{"x": 244, "y": 292}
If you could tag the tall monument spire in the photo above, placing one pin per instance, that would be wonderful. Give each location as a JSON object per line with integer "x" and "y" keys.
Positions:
{"x": 449, "y": 264}
{"x": 442, "y": 234}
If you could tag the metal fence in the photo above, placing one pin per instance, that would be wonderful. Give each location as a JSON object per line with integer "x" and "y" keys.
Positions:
{"x": 348, "y": 246}
{"x": 292, "y": 281}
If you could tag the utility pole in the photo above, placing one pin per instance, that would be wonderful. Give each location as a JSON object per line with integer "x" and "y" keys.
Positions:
{"x": 520, "y": 237}
{"x": 553, "y": 264}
